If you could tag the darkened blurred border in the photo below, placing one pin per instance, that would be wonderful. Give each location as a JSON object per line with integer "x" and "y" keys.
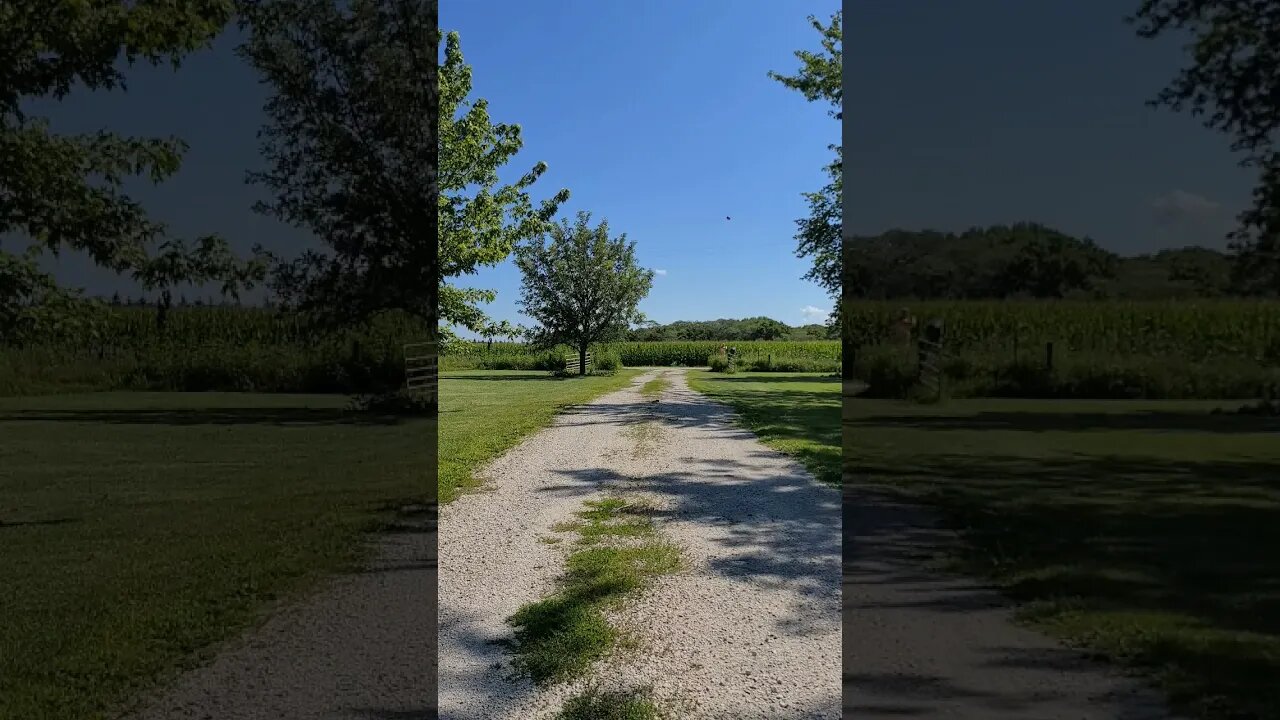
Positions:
{"x": 431, "y": 594}
{"x": 848, "y": 530}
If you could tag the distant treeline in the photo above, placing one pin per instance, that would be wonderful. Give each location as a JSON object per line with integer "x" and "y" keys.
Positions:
{"x": 754, "y": 328}
{"x": 1026, "y": 260}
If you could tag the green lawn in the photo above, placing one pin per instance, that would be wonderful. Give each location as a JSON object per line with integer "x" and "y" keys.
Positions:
{"x": 1148, "y": 531}
{"x": 795, "y": 413}
{"x": 485, "y": 412}
{"x": 138, "y": 528}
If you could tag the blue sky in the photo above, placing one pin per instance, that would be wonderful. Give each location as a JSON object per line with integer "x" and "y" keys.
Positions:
{"x": 991, "y": 111}
{"x": 661, "y": 117}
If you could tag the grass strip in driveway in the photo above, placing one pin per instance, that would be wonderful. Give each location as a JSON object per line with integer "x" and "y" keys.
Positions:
{"x": 597, "y": 704}
{"x": 484, "y": 413}
{"x": 654, "y": 387}
{"x": 559, "y": 637}
{"x": 794, "y": 413}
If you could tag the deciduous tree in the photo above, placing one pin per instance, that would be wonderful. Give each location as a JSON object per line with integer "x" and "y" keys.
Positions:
{"x": 769, "y": 329}
{"x": 481, "y": 219}
{"x": 819, "y": 234}
{"x": 351, "y": 149}
{"x": 502, "y": 329}
{"x": 64, "y": 192}
{"x": 818, "y": 79}
{"x": 582, "y": 286}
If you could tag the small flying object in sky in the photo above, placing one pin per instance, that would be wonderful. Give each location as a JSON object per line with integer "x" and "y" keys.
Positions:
{"x": 726, "y": 217}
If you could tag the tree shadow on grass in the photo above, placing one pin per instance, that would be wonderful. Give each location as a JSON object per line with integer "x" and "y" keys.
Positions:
{"x": 771, "y": 379}
{"x": 1171, "y": 563}
{"x": 284, "y": 417}
{"x": 5, "y": 523}
{"x": 532, "y": 375}
{"x": 1172, "y": 421}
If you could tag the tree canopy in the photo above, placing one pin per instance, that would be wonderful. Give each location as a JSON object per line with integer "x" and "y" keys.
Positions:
{"x": 481, "y": 220}
{"x": 1025, "y": 260}
{"x": 752, "y": 328}
{"x": 350, "y": 145}
{"x": 583, "y": 286}
{"x": 61, "y": 192}
{"x": 818, "y": 79}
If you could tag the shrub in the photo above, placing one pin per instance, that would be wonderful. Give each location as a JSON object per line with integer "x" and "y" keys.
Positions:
{"x": 719, "y": 363}
{"x": 888, "y": 371}
{"x": 605, "y": 361}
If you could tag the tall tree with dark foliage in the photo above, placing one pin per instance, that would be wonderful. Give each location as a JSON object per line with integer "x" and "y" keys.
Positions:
{"x": 1233, "y": 84}
{"x": 351, "y": 150}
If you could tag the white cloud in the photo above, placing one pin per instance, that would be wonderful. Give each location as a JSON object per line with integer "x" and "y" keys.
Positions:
{"x": 661, "y": 273}
{"x": 814, "y": 314}
{"x": 1182, "y": 218}
{"x": 1180, "y": 207}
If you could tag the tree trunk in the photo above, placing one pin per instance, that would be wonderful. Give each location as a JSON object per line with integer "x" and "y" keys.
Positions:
{"x": 582, "y": 360}
{"x": 847, "y": 350}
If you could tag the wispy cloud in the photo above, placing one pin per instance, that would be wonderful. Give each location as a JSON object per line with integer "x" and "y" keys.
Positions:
{"x": 1184, "y": 218}
{"x": 661, "y": 273}
{"x": 814, "y": 314}
{"x": 1180, "y": 206}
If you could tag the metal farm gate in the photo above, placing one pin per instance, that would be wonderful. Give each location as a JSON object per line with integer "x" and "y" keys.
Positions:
{"x": 422, "y": 369}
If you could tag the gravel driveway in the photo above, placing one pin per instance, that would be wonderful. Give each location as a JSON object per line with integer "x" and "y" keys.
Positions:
{"x": 750, "y": 628}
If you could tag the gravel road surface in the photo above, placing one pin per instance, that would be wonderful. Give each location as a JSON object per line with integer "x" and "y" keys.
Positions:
{"x": 750, "y": 628}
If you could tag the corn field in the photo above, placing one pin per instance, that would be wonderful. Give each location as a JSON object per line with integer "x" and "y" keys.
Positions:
{"x": 1227, "y": 348}
{"x": 695, "y": 353}
{"x": 1189, "y": 330}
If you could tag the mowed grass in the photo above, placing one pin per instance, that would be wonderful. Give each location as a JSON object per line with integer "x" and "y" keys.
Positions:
{"x": 1146, "y": 531}
{"x": 795, "y": 413}
{"x": 138, "y": 528}
{"x": 486, "y": 412}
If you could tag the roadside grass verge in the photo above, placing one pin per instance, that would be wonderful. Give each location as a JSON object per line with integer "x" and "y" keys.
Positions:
{"x": 139, "y": 529}
{"x": 484, "y": 413}
{"x": 1142, "y": 530}
{"x": 794, "y": 413}
{"x": 559, "y": 637}
{"x": 597, "y": 704}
